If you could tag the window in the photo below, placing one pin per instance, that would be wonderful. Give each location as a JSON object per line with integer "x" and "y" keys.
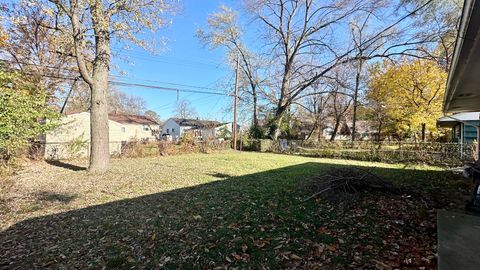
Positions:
{"x": 168, "y": 131}
{"x": 173, "y": 130}
{"x": 124, "y": 129}
{"x": 145, "y": 128}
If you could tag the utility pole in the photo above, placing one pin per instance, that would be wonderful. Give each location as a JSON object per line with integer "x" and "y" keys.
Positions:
{"x": 235, "y": 105}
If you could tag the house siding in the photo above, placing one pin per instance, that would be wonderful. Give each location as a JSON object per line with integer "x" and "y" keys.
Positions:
{"x": 172, "y": 125}
{"x": 469, "y": 131}
{"x": 72, "y": 137}
{"x": 137, "y": 132}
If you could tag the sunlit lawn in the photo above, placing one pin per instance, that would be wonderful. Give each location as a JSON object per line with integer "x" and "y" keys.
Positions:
{"x": 224, "y": 209}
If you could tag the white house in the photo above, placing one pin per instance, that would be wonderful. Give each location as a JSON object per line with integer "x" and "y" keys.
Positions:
{"x": 201, "y": 129}
{"x": 72, "y": 137}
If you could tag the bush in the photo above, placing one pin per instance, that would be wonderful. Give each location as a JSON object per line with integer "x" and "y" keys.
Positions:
{"x": 76, "y": 147}
{"x": 166, "y": 148}
{"x": 24, "y": 115}
{"x": 139, "y": 149}
{"x": 257, "y": 132}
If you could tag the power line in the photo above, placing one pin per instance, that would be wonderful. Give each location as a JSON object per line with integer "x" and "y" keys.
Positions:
{"x": 140, "y": 85}
{"x": 130, "y": 84}
{"x": 169, "y": 83}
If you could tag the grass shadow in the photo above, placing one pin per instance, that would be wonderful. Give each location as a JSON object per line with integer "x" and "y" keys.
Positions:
{"x": 47, "y": 196}
{"x": 219, "y": 175}
{"x": 249, "y": 221}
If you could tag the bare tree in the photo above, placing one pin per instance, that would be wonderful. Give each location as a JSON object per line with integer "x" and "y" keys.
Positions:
{"x": 438, "y": 23}
{"x": 184, "y": 109}
{"x": 340, "y": 104}
{"x": 223, "y": 30}
{"x": 297, "y": 30}
{"x": 154, "y": 115}
{"x": 316, "y": 108}
{"x": 90, "y": 27}
{"x": 300, "y": 34}
{"x": 119, "y": 101}
{"x": 358, "y": 36}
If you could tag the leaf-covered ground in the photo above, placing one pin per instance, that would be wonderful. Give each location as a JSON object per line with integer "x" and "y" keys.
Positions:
{"x": 222, "y": 210}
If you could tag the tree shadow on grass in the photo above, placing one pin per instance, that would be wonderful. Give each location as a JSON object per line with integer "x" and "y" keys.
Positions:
{"x": 48, "y": 196}
{"x": 220, "y": 175}
{"x": 248, "y": 221}
{"x": 68, "y": 166}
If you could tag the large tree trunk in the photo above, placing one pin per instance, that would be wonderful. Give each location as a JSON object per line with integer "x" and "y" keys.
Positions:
{"x": 335, "y": 130}
{"x": 99, "y": 131}
{"x": 283, "y": 102}
{"x": 275, "y": 125}
{"x": 277, "y": 120}
{"x": 99, "y": 137}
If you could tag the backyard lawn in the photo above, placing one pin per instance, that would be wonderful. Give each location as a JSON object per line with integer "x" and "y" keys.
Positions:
{"x": 220, "y": 210}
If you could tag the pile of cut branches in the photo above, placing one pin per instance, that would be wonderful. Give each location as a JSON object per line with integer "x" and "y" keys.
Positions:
{"x": 341, "y": 181}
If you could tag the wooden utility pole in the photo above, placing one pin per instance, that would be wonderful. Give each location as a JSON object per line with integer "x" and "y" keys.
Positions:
{"x": 235, "y": 105}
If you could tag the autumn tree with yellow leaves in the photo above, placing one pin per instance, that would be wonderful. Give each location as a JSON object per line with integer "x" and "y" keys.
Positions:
{"x": 409, "y": 96}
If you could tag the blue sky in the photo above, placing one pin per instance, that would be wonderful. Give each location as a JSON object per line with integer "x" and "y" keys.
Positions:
{"x": 184, "y": 60}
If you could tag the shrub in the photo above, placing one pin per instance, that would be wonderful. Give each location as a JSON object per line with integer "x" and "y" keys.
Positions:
{"x": 167, "y": 148}
{"x": 187, "y": 138}
{"x": 76, "y": 147}
{"x": 442, "y": 154}
{"x": 24, "y": 115}
{"x": 139, "y": 149}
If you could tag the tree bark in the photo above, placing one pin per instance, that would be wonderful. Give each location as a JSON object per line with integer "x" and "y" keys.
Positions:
{"x": 335, "y": 130}
{"x": 355, "y": 99}
{"x": 99, "y": 137}
{"x": 320, "y": 132}
{"x": 275, "y": 126}
{"x": 380, "y": 131}
{"x": 315, "y": 126}
{"x": 423, "y": 132}
{"x": 99, "y": 130}
{"x": 255, "y": 105}
{"x": 282, "y": 106}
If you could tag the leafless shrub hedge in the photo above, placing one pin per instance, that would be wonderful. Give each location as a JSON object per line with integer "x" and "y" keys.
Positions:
{"x": 167, "y": 148}
{"x": 440, "y": 154}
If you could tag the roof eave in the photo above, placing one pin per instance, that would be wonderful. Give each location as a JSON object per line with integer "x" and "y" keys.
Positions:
{"x": 467, "y": 48}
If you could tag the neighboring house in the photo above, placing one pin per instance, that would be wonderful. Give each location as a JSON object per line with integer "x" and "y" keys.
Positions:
{"x": 365, "y": 130}
{"x": 174, "y": 128}
{"x": 72, "y": 137}
{"x": 139, "y": 127}
{"x": 463, "y": 126}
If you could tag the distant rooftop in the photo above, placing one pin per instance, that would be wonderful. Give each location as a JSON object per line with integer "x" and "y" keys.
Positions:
{"x": 125, "y": 118}
{"x": 132, "y": 119}
{"x": 196, "y": 123}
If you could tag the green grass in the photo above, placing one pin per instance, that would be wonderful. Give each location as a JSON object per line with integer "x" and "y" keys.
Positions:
{"x": 225, "y": 209}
